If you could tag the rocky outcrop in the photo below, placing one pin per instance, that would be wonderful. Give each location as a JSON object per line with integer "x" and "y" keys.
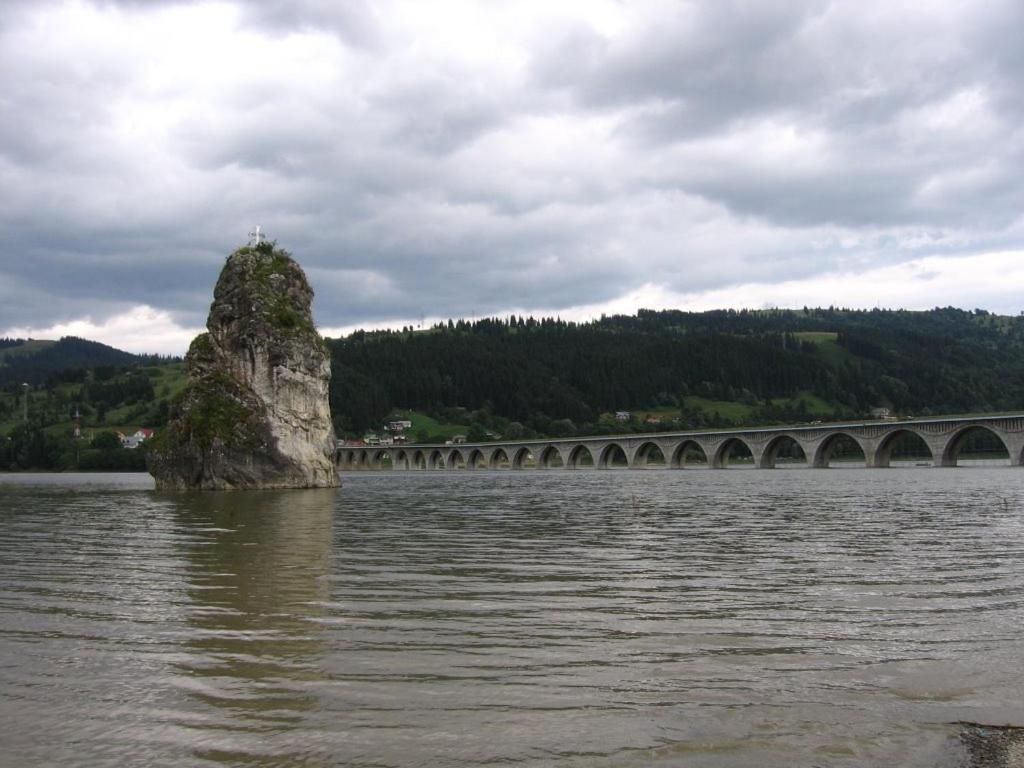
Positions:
{"x": 255, "y": 412}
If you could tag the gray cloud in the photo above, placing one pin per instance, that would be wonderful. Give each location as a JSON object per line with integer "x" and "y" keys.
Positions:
{"x": 354, "y": 20}
{"x": 864, "y": 83}
{"x": 712, "y": 61}
{"x": 455, "y": 164}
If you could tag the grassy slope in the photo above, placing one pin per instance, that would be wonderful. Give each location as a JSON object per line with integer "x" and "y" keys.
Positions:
{"x": 725, "y": 408}
{"x": 816, "y": 408}
{"x": 420, "y": 421}
{"x": 170, "y": 380}
{"x": 827, "y": 343}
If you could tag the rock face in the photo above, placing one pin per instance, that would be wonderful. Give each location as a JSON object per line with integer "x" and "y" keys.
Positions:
{"x": 255, "y": 413}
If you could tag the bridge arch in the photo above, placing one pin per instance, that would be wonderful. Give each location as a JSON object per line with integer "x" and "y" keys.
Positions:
{"x": 783, "y": 448}
{"x": 476, "y": 459}
{"x": 380, "y": 458}
{"x": 581, "y": 457}
{"x": 499, "y": 459}
{"x": 839, "y": 444}
{"x": 364, "y": 459}
{"x": 731, "y": 449}
{"x": 613, "y": 456}
{"x": 401, "y": 460}
{"x": 903, "y": 444}
{"x": 436, "y": 459}
{"x": 982, "y": 441}
{"x": 456, "y": 460}
{"x": 419, "y": 460}
{"x": 523, "y": 459}
{"x": 551, "y": 458}
{"x": 688, "y": 452}
{"x": 649, "y": 454}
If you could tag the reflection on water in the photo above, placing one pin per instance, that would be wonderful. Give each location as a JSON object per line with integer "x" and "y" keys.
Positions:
{"x": 832, "y": 618}
{"x": 257, "y": 579}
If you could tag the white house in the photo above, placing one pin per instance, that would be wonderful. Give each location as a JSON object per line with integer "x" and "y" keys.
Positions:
{"x": 135, "y": 440}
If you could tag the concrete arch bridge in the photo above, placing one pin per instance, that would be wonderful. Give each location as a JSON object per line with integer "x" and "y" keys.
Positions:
{"x": 921, "y": 442}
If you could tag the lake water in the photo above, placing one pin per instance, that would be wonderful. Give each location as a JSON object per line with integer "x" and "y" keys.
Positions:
{"x": 666, "y": 618}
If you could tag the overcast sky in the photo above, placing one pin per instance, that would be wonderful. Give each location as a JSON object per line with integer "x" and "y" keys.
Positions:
{"x": 460, "y": 159}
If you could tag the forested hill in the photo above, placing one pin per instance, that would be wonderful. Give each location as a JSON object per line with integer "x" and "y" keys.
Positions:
{"x": 33, "y": 361}
{"x": 550, "y": 376}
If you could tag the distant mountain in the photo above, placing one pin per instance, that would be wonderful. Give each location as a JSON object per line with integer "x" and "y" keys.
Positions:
{"x": 33, "y": 360}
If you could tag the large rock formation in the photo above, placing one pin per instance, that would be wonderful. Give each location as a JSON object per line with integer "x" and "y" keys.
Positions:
{"x": 255, "y": 412}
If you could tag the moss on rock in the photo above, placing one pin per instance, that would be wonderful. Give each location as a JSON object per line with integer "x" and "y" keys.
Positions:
{"x": 272, "y": 289}
{"x": 216, "y": 410}
{"x": 201, "y": 347}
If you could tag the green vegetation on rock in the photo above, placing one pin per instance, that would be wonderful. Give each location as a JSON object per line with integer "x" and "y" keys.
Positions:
{"x": 274, "y": 285}
{"x": 200, "y": 349}
{"x": 214, "y": 411}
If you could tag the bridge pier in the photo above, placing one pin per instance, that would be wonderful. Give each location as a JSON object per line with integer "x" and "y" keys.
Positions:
{"x": 1015, "y": 445}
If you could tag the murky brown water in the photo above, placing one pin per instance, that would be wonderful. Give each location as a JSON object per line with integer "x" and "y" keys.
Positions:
{"x": 826, "y": 618}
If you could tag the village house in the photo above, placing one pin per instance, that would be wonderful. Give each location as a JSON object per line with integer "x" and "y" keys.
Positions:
{"x": 133, "y": 441}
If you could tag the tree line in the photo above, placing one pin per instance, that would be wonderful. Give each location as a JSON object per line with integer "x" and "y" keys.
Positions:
{"x": 536, "y": 371}
{"x": 525, "y": 376}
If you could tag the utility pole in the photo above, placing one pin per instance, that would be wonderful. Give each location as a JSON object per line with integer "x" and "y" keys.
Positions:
{"x": 78, "y": 437}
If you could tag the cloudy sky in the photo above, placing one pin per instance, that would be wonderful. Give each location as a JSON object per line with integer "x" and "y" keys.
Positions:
{"x": 465, "y": 158}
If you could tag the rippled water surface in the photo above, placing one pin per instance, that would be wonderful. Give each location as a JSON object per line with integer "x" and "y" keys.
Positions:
{"x": 692, "y": 618}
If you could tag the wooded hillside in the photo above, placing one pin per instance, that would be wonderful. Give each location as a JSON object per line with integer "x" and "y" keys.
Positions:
{"x": 838, "y": 363}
